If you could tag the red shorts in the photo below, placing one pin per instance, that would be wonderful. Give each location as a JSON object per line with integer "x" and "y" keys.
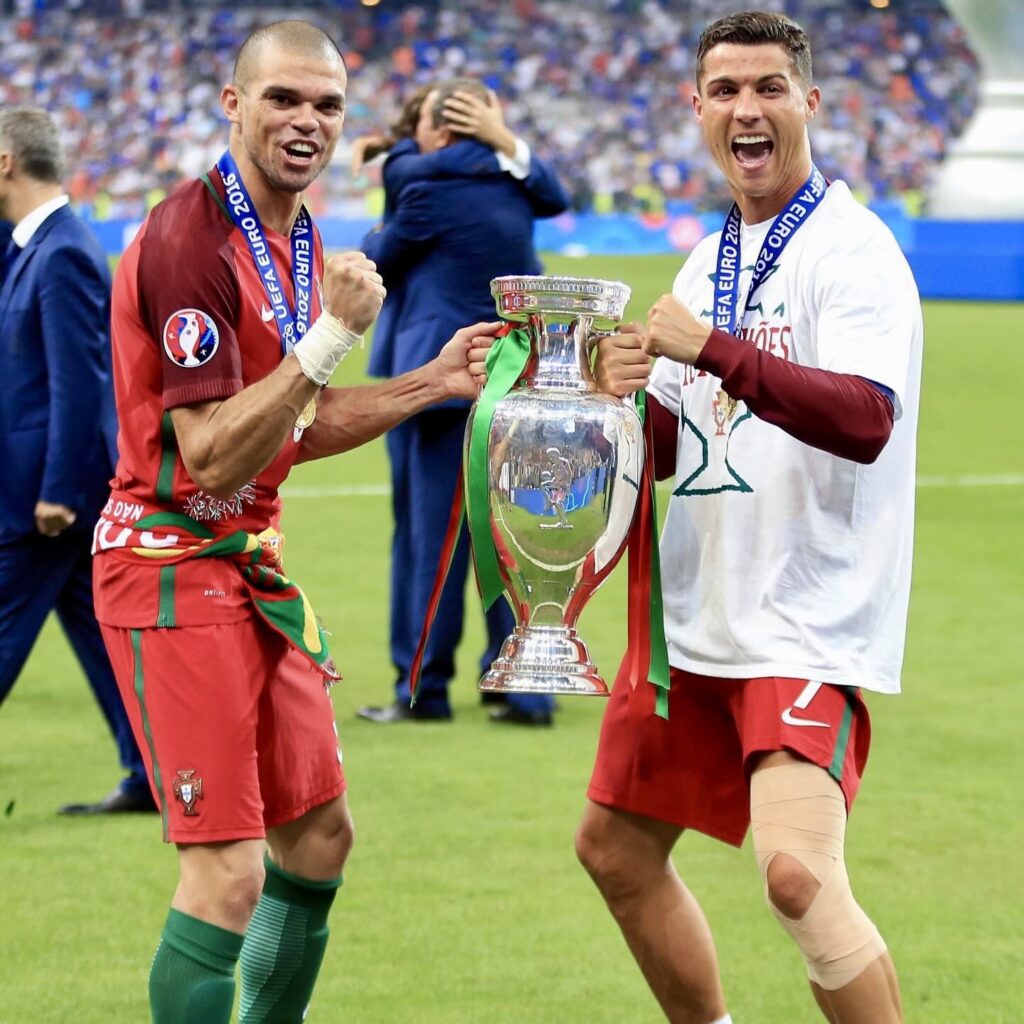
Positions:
{"x": 235, "y": 726}
{"x": 694, "y": 769}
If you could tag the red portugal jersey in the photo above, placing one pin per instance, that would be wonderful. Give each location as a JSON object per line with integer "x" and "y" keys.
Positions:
{"x": 191, "y": 323}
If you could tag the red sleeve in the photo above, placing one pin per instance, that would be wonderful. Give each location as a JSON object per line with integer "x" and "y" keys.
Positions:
{"x": 665, "y": 428}
{"x": 839, "y": 413}
{"x": 189, "y": 298}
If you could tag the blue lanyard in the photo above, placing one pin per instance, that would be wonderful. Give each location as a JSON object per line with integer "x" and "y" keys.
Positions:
{"x": 291, "y": 326}
{"x": 728, "y": 315}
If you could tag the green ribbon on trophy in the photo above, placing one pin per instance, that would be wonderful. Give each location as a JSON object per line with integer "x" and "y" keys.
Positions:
{"x": 647, "y": 653}
{"x": 506, "y": 360}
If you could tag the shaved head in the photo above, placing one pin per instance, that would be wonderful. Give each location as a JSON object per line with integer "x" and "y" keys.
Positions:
{"x": 298, "y": 37}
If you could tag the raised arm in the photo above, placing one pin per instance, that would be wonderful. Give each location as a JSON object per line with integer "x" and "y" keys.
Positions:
{"x": 547, "y": 194}
{"x": 225, "y": 443}
{"x": 466, "y": 158}
{"x": 484, "y": 120}
{"x": 841, "y": 413}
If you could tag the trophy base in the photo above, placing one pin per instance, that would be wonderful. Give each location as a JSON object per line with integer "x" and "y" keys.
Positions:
{"x": 544, "y": 659}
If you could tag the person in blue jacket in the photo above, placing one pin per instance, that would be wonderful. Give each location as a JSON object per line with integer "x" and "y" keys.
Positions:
{"x": 7, "y": 248}
{"x": 57, "y": 427}
{"x": 458, "y": 212}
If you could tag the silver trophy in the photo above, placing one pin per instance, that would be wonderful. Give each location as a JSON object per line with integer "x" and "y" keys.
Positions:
{"x": 564, "y": 465}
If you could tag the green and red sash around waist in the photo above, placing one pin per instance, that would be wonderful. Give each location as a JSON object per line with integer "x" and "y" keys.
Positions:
{"x": 160, "y": 538}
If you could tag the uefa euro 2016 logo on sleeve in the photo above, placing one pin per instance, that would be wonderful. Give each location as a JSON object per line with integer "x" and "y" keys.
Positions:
{"x": 190, "y": 337}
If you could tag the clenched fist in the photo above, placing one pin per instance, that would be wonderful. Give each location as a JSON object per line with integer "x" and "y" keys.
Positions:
{"x": 674, "y": 332}
{"x": 353, "y": 290}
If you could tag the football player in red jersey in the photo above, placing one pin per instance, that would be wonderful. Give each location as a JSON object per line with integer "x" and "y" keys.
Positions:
{"x": 227, "y": 326}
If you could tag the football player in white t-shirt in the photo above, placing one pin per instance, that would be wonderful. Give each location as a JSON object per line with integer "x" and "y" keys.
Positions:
{"x": 785, "y": 405}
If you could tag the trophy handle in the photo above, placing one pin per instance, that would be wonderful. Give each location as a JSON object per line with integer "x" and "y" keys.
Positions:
{"x": 588, "y": 354}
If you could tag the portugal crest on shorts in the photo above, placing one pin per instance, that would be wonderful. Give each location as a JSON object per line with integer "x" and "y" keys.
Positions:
{"x": 188, "y": 788}
{"x": 190, "y": 337}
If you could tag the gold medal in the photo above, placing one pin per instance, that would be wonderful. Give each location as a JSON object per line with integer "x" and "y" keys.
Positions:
{"x": 307, "y": 415}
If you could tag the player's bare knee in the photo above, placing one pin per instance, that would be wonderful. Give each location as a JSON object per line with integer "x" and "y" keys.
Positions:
{"x": 221, "y": 883}
{"x": 791, "y": 888}
{"x": 241, "y": 897}
{"x": 588, "y": 847}
{"x": 605, "y": 860}
{"x": 620, "y": 877}
{"x": 240, "y": 883}
{"x": 322, "y": 846}
{"x": 317, "y": 844}
{"x": 336, "y": 831}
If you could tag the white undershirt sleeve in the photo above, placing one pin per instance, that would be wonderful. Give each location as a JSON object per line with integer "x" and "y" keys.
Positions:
{"x": 518, "y": 164}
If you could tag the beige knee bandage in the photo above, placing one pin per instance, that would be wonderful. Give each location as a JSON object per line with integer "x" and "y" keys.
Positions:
{"x": 797, "y": 809}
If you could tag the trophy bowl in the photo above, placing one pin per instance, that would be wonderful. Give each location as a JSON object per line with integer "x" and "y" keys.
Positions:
{"x": 564, "y": 464}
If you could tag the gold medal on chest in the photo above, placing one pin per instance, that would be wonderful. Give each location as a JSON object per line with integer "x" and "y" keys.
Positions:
{"x": 307, "y": 415}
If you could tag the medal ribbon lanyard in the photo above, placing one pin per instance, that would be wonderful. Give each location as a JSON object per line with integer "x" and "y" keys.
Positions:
{"x": 291, "y": 326}
{"x": 728, "y": 316}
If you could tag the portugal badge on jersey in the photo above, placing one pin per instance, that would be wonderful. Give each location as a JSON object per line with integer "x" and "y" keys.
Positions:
{"x": 190, "y": 337}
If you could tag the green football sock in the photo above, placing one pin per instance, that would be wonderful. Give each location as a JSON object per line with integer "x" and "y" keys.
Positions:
{"x": 284, "y": 947}
{"x": 192, "y": 980}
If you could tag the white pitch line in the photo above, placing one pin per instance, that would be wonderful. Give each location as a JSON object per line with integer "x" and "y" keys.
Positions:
{"x": 383, "y": 490}
{"x": 973, "y": 480}
{"x": 351, "y": 491}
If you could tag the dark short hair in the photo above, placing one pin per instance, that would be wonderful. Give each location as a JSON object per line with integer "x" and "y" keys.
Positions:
{"x": 448, "y": 88}
{"x": 30, "y": 135}
{"x": 755, "y": 28}
{"x": 300, "y": 36}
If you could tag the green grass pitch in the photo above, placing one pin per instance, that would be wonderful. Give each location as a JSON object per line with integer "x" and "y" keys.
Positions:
{"x": 463, "y": 903}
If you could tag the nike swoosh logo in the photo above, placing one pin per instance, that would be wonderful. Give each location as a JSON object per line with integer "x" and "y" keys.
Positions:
{"x": 790, "y": 719}
{"x": 266, "y": 315}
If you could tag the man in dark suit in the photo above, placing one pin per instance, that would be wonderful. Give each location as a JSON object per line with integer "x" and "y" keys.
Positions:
{"x": 6, "y": 248}
{"x": 461, "y": 213}
{"x": 57, "y": 427}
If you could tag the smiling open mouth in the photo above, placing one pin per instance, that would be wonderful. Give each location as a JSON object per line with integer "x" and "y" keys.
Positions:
{"x": 752, "y": 151}
{"x": 301, "y": 150}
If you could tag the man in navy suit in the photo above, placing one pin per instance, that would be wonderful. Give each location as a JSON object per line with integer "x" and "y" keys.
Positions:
{"x": 460, "y": 213}
{"x": 57, "y": 427}
{"x": 6, "y": 248}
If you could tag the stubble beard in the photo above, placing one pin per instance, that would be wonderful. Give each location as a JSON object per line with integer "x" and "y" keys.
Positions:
{"x": 281, "y": 182}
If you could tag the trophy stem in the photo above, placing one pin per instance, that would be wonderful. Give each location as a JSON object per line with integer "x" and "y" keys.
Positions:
{"x": 544, "y": 659}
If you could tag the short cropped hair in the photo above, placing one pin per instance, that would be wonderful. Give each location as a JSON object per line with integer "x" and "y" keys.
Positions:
{"x": 300, "y": 36}
{"x": 755, "y": 28}
{"x": 30, "y": 136}
{"x": 448, "y": 88}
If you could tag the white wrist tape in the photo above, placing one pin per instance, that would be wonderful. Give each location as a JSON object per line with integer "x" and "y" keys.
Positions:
{"x": 323, "y": 346}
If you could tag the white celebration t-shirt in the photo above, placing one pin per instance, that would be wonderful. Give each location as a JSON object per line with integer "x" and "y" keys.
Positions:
{"x": 778, "y": 558}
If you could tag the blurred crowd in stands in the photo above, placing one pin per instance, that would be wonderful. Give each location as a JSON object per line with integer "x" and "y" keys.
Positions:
{"x": 601, "y": 88}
